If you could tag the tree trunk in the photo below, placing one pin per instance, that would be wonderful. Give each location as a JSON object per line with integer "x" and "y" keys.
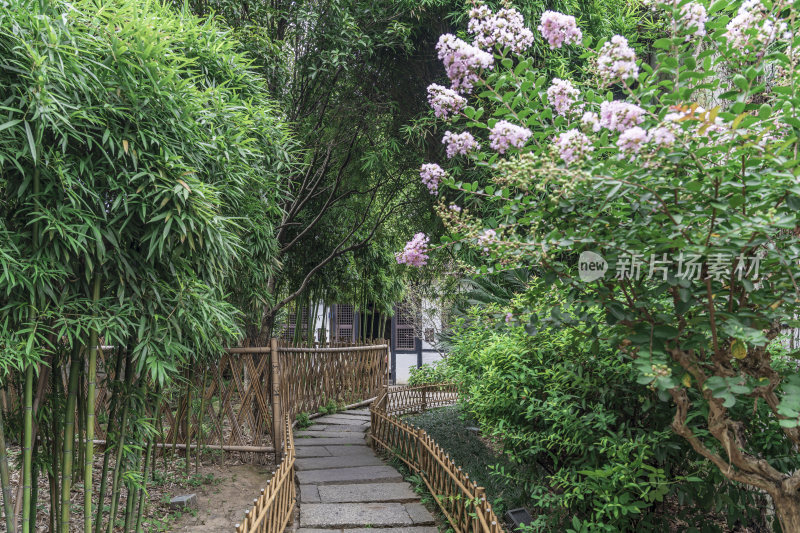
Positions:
{"x": 69, "y": 438}
{"x": 88, "y": 464}
{"x": 787, "y": 507}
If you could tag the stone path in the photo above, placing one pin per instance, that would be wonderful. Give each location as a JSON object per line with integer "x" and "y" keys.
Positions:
{"x": 344, "y": 486}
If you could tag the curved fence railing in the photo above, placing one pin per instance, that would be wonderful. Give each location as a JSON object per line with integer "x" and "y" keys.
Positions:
{"x": 462, "y": 501}
{"x": 273, "y": 509}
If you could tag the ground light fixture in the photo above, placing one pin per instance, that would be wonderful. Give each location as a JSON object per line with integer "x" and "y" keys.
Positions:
{"x": 519, "y": 517}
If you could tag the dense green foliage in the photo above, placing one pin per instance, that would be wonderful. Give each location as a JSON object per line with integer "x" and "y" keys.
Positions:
{"x": 140, "y": 167}
{"x": 590, "y": 452}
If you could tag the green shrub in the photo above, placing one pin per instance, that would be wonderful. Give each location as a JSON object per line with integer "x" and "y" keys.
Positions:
{"x": 436, "y": 372}
{"x": 593, "y": 452}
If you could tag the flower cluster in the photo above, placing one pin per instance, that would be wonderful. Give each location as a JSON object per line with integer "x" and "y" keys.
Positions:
{"x": 591, "y": 120}
{"x": 620, "y": 116}
{"x": 414, "y": 254}
{"x": 564, "y": 97}
{"x": 504, "y": 29}
{"x": 752, "y": 16}
{"x": 505, "y": 135}
{"x": 617, "y": 61}
{"x": 431, "y": 175}
{"x": 486, "y": 238}
{"x": 445, "y": 102}
{"x": 663, "y": 136}
{"x": 462, "y": 61}
{"x": 573, "y": 146}
{"x": 559, "y": 29}
{"x": 630, "y": 141}
{"x": 459, "y": 143}
{"x": 694, "y": 16}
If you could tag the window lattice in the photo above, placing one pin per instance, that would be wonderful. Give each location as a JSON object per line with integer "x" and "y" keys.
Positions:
{"x": 345, "y": 318}
{"x": 404, "y": 329}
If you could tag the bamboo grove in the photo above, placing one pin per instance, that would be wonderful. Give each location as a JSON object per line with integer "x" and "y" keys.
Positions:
{"x": 139, "y": 177}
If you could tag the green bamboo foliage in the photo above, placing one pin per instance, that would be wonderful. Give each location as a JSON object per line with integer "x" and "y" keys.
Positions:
{"x": 135, "y": 171}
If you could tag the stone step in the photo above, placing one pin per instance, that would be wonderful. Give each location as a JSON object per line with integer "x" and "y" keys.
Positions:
{"x": 355, "y": 474}
{"x": 352, "y": 449}
{"x": 311, "y": 451}
{"x": 350, "y": 515}
{"x": 329, "y": 441}
{"x": 350, "y": 421}
{"x": 323, "y": 433}
{"x": 405, "y": 529}
{"x": 321, "y": 463}
{"x": 365, "y": 492}
{"x": 337, "y": 427}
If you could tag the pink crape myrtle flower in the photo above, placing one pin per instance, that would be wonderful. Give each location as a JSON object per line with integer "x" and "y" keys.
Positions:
{"x": 663, "y": 136}
{"x": 591, "y": 121}
{"x": 486, "y": 238}
{"x": 693, "y": 15}
{"x": 462, "y": 61}
{"x": 752, "y": 15}
{"x": 459, "y": 143}
{"x": 573, "y": 146}
{"x": 505, "y": 135}
{"x": 431, "y": 175}
{"x": 559, "y": 29}
{"x": 445, "y": 102}
{"x": 504, "y": 29}
{"x": 415, "y": 251}
{"x": 455, "y": 208}
{"x": 564, "y": 97}
{"x": 630, "y": 141}
{"x": 620, "y": 116}
{"x": 617, "y": 61}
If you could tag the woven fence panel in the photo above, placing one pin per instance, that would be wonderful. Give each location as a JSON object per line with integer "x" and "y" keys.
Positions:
{"x": 460, "y": 499}
{"x": 311, "y": 377}
{"x": 273, "y": 509}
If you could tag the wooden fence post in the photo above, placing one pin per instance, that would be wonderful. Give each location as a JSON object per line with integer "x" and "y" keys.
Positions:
{"x": 277, "y": 426}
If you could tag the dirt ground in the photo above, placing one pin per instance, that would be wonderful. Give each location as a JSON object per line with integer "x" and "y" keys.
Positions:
{"x": 223, "y": 502}
{"x": 225, "y": 489}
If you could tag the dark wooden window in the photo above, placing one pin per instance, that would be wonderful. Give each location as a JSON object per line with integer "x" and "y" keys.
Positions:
{"x": 291, "y": 323}
{"x": 345, "y": 318}
{"x": 404, "y": 338}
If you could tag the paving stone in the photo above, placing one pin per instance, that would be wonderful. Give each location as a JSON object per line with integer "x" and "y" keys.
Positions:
{"x": 338, "y": 427}
{"x": 341, "y": 422}
{"x": 346, "y": 434}
{"x": 360, "y": 411}
{"x": 329, "y": 441}
{"x": 315, "y": 530}
{"x": 321, "y": 463}
{"x": 332, "y": 515}
{"x": 333, "y": 476}
{"x": 311, "y": 451}
{"x": 187, "y": 501}
{"x": 352, "y": 449}
{"x": 419, "y": 514}
{"x": 309, "y": 494}
{"x": 366, "y": 492}
{"x": 406, "y": 529}
{"x": 349, "y": 419}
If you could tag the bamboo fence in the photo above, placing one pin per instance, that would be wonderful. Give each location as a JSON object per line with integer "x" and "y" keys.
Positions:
{"x": 273, "y": 509}
{"x": 460, "y": 499}
{"x": 246, "y": 394}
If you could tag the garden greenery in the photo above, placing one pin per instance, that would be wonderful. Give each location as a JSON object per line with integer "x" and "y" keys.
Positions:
{"x": 140, "y": 163}
{"x": 662, "y": 191}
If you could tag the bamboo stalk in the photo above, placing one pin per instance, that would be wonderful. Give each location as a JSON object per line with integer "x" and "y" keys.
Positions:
{"x": 11, "y": 525}
{"x": 90, "y": 415}
{"x": 27, "y": 450}
{"x": 150, "y": 452}
{"x": 69, "y": 438}
{"x": 200, "y": 420}
{"x": 112, "y": 416}
{"x": 115, "y": 487}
